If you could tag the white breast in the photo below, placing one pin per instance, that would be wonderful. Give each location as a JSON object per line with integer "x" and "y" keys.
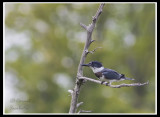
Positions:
{"x": 95, "y": 70}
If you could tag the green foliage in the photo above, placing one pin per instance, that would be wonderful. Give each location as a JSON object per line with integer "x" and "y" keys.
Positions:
{"x": 43, "y": 46}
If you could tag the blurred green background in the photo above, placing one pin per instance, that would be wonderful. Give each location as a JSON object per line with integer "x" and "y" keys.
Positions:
{"x": 43, "y": 46}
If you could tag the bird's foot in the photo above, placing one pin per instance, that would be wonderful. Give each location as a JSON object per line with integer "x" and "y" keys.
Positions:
{"x": 102, "y": 82}
{"x": 107, "y": 83}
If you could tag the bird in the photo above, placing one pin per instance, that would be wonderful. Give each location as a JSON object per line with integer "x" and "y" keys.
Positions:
{"x": 105, "y": 74}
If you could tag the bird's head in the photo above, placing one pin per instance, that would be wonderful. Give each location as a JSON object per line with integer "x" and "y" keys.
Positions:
{"x": 95, "y": 66}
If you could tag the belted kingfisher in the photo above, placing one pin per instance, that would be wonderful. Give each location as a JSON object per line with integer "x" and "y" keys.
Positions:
{"x": 105, "y": 74}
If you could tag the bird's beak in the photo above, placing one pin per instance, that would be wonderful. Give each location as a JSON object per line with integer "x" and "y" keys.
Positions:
{"x": 85, "y": 65}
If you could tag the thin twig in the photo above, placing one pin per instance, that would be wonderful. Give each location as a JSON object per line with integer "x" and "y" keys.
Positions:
{"x": 80, "y": 103}
{"x": 84, "y": 111}
{"x": 92, "y": 41}
{"x": 83, "y": 26}
{"x": 93, "y": 50}
{"x": 129, "y": 85}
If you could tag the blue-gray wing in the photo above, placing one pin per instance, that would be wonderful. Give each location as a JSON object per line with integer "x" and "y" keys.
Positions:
{"x": 111, "y": 74}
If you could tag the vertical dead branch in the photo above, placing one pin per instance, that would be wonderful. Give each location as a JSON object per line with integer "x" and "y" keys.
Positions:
{"x": 89, "y": 29}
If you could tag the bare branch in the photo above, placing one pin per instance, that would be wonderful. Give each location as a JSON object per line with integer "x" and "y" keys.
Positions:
{"x": 92, "y": 80}
{"x": 92, "y": 41}
{"x": 99, "y": 11}
{"x": 79, "y": 82}
{"x": 93, "y": 50}
{"x": 129, "y": 85}
{"x": 84, "y": 111}
{"x": 115, "y": 86}
{"x": 80, "y": 103}
{"x": 83, "y": 26}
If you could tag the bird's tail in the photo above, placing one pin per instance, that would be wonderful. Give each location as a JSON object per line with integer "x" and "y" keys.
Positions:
{"x": 128, "y": 78}
{"x": 125, "y": 78}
